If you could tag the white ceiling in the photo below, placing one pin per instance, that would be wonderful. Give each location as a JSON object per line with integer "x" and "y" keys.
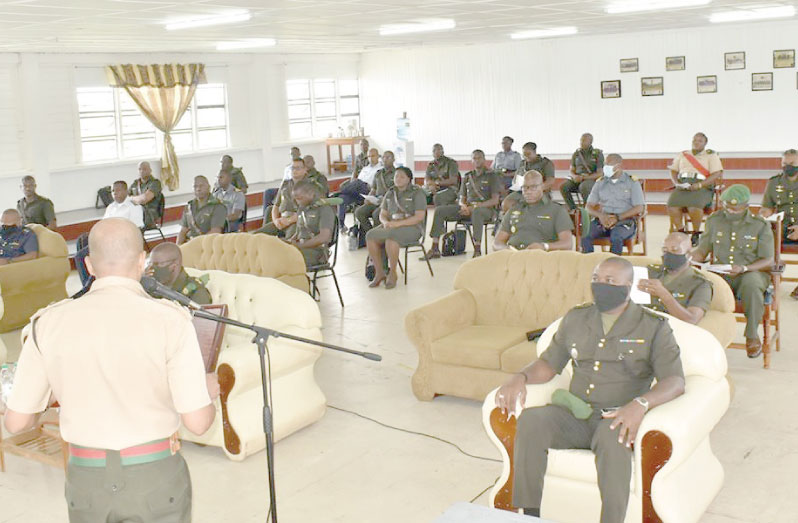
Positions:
{"x": 311, "y": 26}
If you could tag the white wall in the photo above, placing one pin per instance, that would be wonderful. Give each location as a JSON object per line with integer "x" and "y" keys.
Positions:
{"x": 39, "y": 132}
{"x": 548, "y": 91}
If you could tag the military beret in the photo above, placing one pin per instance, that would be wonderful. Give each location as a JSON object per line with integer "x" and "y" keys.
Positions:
{"x": 736, "y": 194}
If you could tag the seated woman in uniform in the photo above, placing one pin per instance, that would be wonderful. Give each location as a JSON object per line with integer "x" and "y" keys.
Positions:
{"x": 402, "y": 218}
{"x": 314, "y": 224}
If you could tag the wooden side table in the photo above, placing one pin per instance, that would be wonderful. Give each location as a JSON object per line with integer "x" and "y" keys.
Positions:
{"x": 340, "y": 142}
{"x": 42, "y": 443}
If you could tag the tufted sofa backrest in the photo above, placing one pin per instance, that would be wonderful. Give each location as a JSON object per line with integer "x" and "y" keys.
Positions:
{"x": 245, "y": 253}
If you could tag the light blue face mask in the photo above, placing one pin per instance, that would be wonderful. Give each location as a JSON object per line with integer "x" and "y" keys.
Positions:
{"x": 609, "y": 170}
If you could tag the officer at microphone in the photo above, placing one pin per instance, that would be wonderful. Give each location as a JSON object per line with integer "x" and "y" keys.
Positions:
{"x": 122, "y": 397}
{"x": 166, "y": 266}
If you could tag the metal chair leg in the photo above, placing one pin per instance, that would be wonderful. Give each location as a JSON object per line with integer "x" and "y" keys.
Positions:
{"x": 406, "y": 265}
{"x": 337, "y": 288}
{"x": 429, "y": 265}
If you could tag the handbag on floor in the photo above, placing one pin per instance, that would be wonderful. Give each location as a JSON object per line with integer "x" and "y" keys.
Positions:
{"x": 104, "y": 197}
{"x": 453, "y": 243}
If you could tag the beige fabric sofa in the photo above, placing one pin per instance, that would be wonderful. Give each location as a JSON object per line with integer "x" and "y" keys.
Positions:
{"x": 3, "y": 350}
{"x": 258, "y": 254}
{"x": 675, "y": 473}
{"x": 29, "y": 286}
{"x": 297, "y": 399}
{"x": 472, "y": 339}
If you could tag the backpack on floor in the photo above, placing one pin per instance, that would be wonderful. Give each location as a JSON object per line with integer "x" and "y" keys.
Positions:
{"x": 453, "y": 243}
{"x": 357, "y": 238}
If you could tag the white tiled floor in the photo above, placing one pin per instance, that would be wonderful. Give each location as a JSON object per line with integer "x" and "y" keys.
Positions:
{"x": 347, "y": 469}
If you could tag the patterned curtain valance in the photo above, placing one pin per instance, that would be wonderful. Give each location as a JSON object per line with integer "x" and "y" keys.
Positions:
{"x": 155, "y": 75}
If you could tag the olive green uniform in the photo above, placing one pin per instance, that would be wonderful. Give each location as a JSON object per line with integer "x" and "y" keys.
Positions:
{"x": 400, "y": 205}
{"x": 584, "y": 162}
{"x": 689, "y": 174}
{"x": 40, "y": 210}
{"x": 320, "y": 180}
{"x": 539, "y": 222}
{"x": 239, "y": 181}
{"x": 286, "y": 205}
{"x": 610, "y": 369}
{"x": 781, "y": 194}
{"x": 741, "y": 242}
{"x": 444, "y": 168}
{"x": 690, "y": 288}
{"x": 153, "y": 185}
{"x": 476, "y": 187}
{"x": 540, "y": 164}
{"x": 193, "y": 288}
{"x": 200, "y": 219}
{"x": 383, "y": 181}
{"x": 311, "y": 220}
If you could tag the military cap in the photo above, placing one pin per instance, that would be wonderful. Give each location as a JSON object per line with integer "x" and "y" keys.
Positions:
{"x": 736, "y": 194}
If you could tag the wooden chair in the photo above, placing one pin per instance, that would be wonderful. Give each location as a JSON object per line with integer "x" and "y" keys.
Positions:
{"x": 466, "y": 224}
{"x": 638, "y": 239}
{"x": 42, "y": 443}
{"x": 771, "y": 318}
{"x": 788, "y": 248}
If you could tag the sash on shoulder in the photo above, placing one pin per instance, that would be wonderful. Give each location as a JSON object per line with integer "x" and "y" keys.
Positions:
{"x": 695, "y": 163}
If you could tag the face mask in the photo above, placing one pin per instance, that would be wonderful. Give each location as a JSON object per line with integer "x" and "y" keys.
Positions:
{"x": 608, "y": 297}
{"x": 9, "y": 228}
{"x": 790, "y": 170}
{"x": 734, "y": 216}
{"x": 162, "y": 274}
{"x": 673, "y": 261}
{"x": 608, "y": 170}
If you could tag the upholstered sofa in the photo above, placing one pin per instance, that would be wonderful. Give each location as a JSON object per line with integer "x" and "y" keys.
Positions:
{"x": 472, "y": 339}
{"x": 3, "y": 350}
{"x": 245, "y": 253}
{"x": 297, "y": 399}
{"x": 675, "y": 474}
{"x": 29, "y": 286}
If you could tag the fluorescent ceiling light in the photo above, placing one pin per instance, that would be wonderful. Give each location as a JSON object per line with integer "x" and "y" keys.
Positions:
{"x": 249, "y": 43}
{"x": 757, "y": 13}
{"x": 417, "y": 27}
{"x": 545, "y": 33}
{"x": 230, "y": 18}
{"x": 651, "y": 5}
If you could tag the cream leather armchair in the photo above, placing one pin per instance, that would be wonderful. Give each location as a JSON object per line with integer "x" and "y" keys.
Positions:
{"x": 471, "y": 340}
{"x": 675, "y": 474}
{"x": 245, "y": 253}
{"x": 297, "y": 399}
{"x": 28, "y": 286}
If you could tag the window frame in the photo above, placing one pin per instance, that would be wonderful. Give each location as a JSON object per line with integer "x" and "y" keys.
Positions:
{"x": 314, "y": 120}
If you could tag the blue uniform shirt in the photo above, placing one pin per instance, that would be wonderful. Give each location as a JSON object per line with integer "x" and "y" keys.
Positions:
{"x": 617, "y": 196}
{"x": 17, "y": 241}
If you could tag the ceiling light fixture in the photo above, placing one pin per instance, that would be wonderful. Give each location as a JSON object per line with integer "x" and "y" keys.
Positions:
{"x": 205, "y": 21}
{"x": 249, "y": 43}
{"x": 757, "y": 13}
{"x": 417, "y": 27}
{"x": 545, "y": 33}
{"x": 651, "y": 5}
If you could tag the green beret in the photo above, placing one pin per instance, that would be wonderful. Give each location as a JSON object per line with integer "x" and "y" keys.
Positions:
{"x": 736, "y": 194}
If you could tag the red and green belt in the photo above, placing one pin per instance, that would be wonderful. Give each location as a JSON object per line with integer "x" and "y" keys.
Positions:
{"x": 144, "y": 453}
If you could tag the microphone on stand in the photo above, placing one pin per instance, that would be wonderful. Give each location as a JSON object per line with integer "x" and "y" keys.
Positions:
{"x": 159, "y": 290}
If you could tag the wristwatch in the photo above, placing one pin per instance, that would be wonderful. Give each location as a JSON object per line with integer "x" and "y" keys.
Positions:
{"x": 642, "y": 401}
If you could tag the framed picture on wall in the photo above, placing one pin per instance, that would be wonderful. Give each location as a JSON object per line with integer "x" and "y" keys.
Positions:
{"x": 629, "y": 65}
{"x": 783, "y": 58}
{"x": 707, "y": 84}
{"x": 652, "y": 86}
{"x": 734, "y": 60}
{"x": 674, "y": 63}
{"x": 762, "y": 82}
{"x": 611, "y": 89}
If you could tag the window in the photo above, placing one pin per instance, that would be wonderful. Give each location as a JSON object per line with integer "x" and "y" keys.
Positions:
{"x": 316, "y": 108}
{"x": 112, "y": 127}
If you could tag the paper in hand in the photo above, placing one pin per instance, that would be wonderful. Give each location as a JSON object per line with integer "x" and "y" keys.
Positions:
{"x": 775, "y": 217}
{"x": 637, "y": 296}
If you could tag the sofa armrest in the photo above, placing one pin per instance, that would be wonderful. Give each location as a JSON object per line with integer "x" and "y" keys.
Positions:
{"x": 245, "y": 364}
{"x": 433, "y": 321}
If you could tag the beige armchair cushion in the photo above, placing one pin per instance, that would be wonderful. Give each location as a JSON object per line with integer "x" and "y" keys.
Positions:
{"x": 28, "y": 286}
{"x": 479, "y": 346}
{"x": 245, "y": 253}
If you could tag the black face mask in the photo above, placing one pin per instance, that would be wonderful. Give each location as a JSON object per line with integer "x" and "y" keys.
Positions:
{"x": 790, "y": 170}
{"x": 9, "y": 228}
{"x": 673, "y": 261}
{"x": 608, "y": 296}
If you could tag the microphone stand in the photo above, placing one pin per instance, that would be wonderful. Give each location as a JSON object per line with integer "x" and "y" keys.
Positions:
{"x": 262, "y": 335}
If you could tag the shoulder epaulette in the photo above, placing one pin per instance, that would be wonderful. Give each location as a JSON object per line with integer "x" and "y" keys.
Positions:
{"x": 654, "y": 266}
{"x": 776, "y": 176}
{"x": 710, "y": 151}
{"x": 53, "y": 305}
{"x": 584, "y": 305}
{"x": 652, "y": 314}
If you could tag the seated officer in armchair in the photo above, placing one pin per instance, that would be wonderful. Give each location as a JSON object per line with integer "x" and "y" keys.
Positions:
{"x": 617, "y": 349}
{"x": 166, "y": 266}
{"x": 17, "y": 242}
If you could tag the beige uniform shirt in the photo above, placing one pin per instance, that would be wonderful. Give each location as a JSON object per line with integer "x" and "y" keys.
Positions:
{"x": 116, "y": 390}
{"x": 687, "y": 172}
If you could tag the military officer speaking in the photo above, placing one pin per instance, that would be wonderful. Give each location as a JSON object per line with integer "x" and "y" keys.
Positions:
{"x": 166, "y": 266}
{"x": 617, "y": 349}
{"x": 586, "y": 165}
{"x": 744, "y": 241}
{"x": 536, "y": 223}
{"x": 202, "y": 215}
{"x": 676, "y": 287}
{"x": 781, "y": 195}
